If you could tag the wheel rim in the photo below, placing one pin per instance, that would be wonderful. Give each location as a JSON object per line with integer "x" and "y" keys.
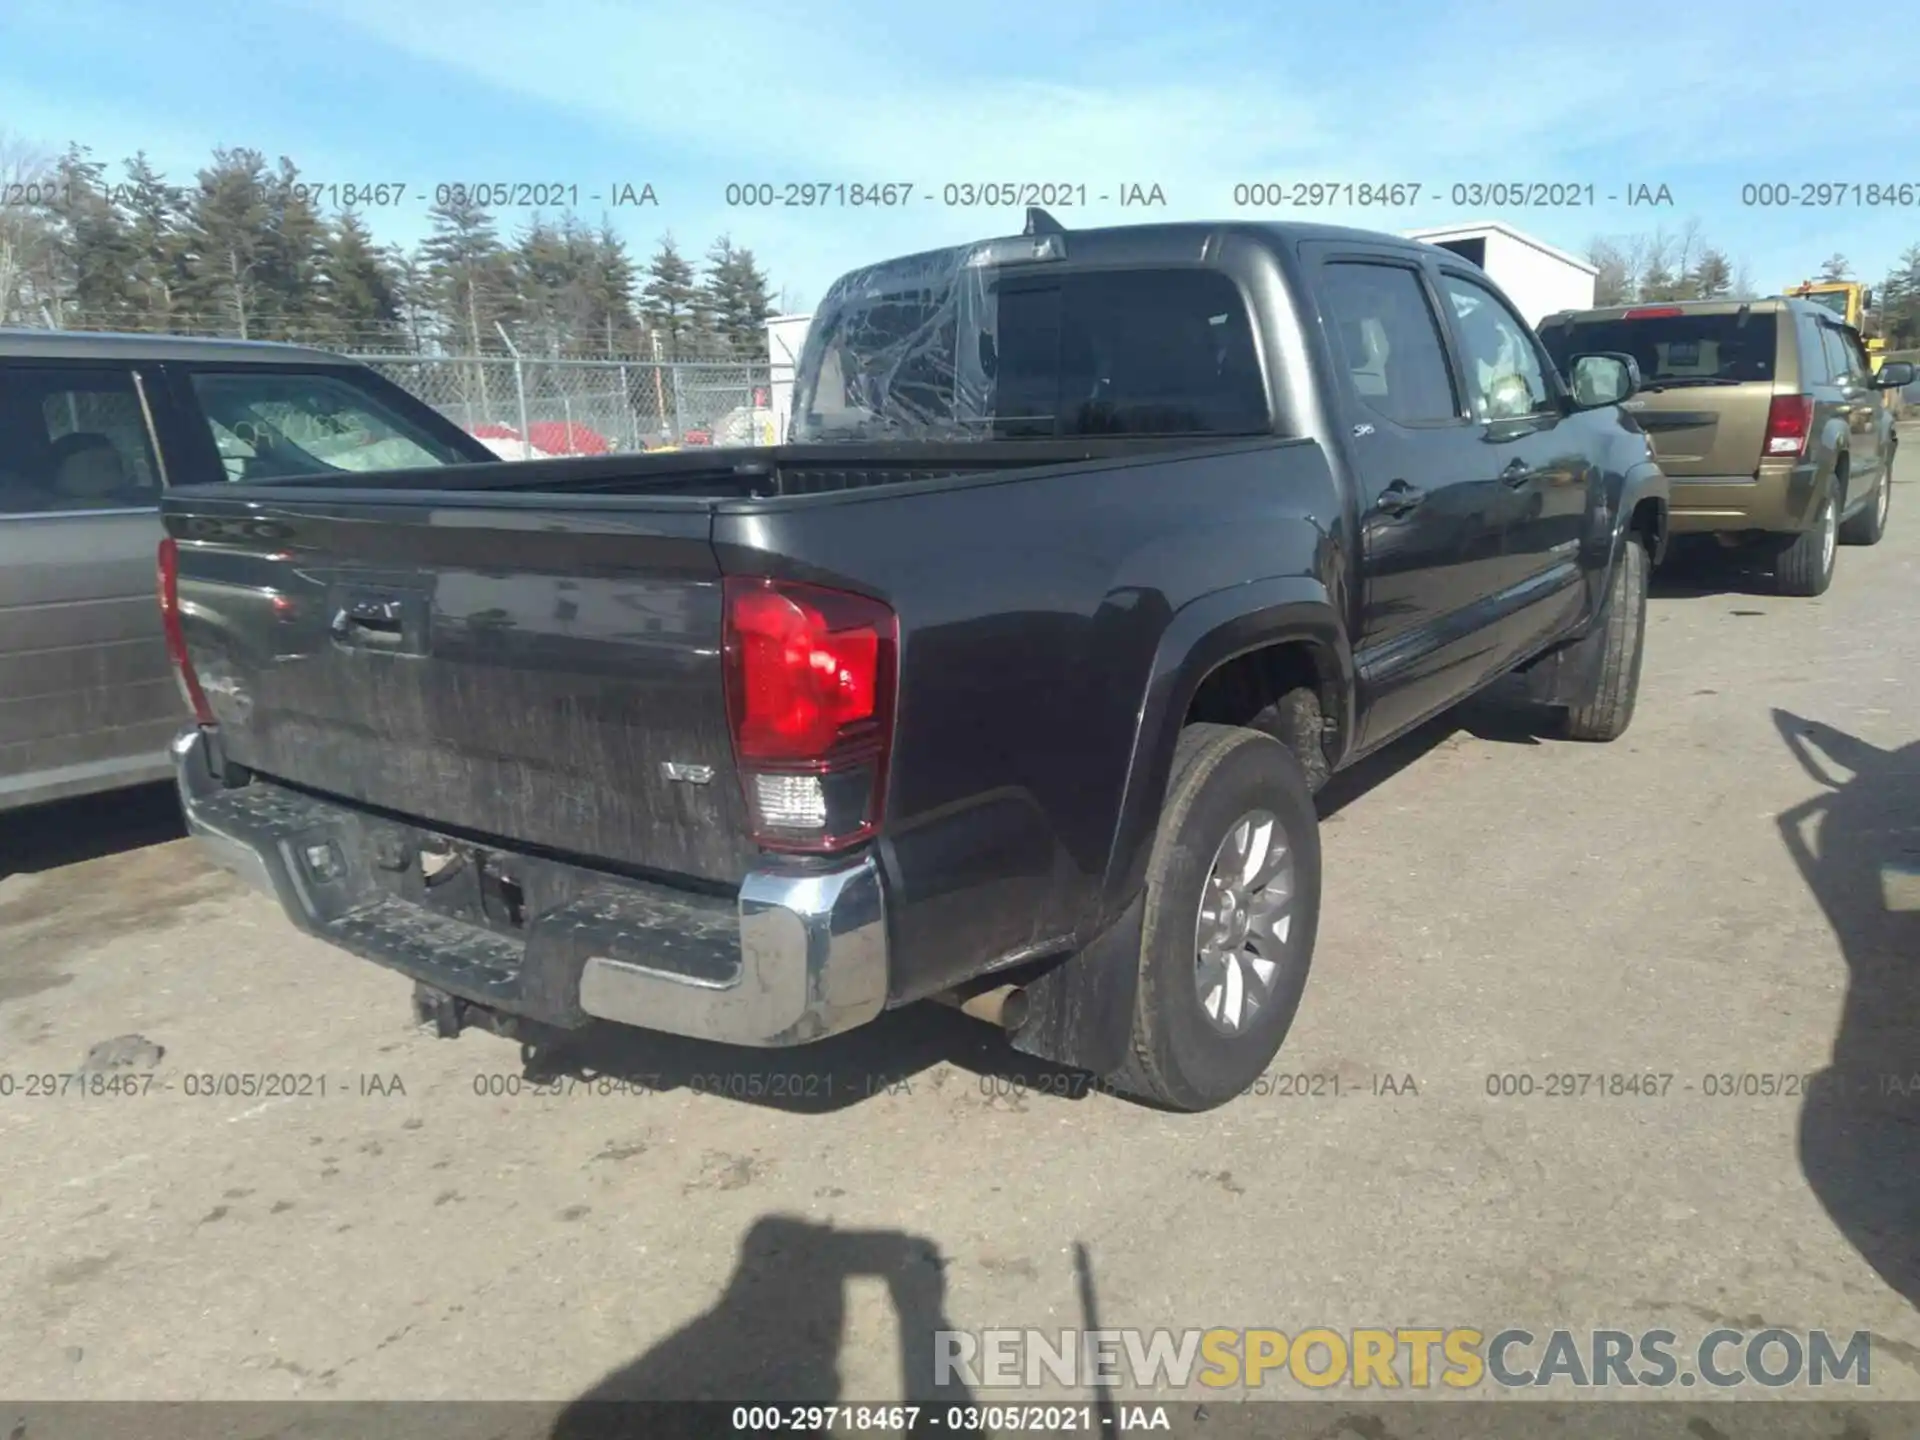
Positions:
{"x": 1240, "y": 939}
{"x": 1829, "y": 534}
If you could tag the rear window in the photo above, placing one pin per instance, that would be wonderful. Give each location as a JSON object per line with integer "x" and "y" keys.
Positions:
{"x": 1738, "y": 347}
{"x": 1031, "y": 355}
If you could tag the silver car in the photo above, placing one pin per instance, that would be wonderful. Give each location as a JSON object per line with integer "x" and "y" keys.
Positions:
{"x": 92, "y": 429}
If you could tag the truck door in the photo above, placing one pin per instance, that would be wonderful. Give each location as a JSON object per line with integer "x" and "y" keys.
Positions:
{"x": 1533, "y": 461}
{"x": 1429, "y": 557}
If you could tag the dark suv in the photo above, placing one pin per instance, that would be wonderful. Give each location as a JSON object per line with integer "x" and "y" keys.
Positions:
{"x": 1765, "y": 415}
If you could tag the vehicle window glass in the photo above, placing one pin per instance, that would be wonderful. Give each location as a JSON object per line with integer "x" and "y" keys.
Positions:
{"x": 1834, "y": 342}
{"x": 1505, "y": 379}
{"x": 1135, "y": 352}
{"x": 1857, "y": 364}
{"x": 1813, "y": 351}
{"x": 1389, "y": 341}
{"x": 73, "y": 439}
{"x": 1673, "y": 348}
{"x": 272, "y": 424}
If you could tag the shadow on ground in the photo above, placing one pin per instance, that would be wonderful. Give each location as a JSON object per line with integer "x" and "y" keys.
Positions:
{"x": 67, "y": 832}
{"x": 776, "y": 1335}
{"x": 1858, "y": 848}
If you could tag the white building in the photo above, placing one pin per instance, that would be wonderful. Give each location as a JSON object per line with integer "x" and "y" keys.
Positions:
{"x": 785, "y": 335}
{"x": 1537, "y": 277}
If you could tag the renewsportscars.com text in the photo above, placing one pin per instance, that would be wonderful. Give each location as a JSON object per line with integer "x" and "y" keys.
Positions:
{"x": 1459, "y": 1358}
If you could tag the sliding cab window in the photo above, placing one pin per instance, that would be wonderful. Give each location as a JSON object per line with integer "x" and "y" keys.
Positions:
{"x": 73, "y": 439}
{"x": 276, "y": 424}
{"x": 1388, "y": 342}
{"x": 1506, "y": 374}
{"x": 1151, "y": 352}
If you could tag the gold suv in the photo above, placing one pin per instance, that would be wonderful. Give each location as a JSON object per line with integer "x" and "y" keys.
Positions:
{"x": 1766, "y": 417}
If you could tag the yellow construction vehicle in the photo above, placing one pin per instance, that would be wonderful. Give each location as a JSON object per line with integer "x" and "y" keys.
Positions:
{"x": 1849, "y": 300}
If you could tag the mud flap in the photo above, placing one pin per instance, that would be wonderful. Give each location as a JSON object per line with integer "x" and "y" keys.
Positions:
{"x": 1080, "y": 1013}
{"x": 1570, "y": 675}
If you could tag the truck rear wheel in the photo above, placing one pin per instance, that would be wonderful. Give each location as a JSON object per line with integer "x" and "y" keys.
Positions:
{"x": 1233, "y": 905}
{"x": 1806, "y": 566}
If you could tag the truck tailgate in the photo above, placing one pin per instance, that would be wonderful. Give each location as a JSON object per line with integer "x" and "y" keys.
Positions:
{"x": 523, "y": 668}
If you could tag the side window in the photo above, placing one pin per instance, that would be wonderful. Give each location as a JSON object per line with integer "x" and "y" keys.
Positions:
{"x": 1857, "y": 363}
{"x": 1505, "y": 377}
{"x": 73, "y": 439}
{"x": 1814, "y": 369}
{"x": 271, "y": 424}
{"x": 1389, "y": 341}
{"x": 1834, "y": 341}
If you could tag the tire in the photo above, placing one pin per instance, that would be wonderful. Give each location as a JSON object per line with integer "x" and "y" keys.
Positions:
{"x": 1181, "y": 1056}
{"x": 1623, "y": 648}
{"x": 1870, "y": 524}
{"x": 1805, "y": 567}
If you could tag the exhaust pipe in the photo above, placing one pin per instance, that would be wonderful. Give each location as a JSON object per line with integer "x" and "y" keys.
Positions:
{"x": 1005, "y": 1006}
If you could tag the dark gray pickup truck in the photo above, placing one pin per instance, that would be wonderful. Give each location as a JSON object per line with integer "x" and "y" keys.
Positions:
{"x": 1008, "y": 681}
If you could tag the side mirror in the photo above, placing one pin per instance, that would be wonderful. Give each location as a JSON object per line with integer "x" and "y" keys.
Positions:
{"x": 1894, "y": 375}
{"x": 1604, "y": 379}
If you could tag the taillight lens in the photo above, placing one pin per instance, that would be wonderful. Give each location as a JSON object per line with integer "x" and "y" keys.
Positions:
{"x": 1789, "y": 422}
{"x": 810, "y": 690}
{"x": 169, "y": 577}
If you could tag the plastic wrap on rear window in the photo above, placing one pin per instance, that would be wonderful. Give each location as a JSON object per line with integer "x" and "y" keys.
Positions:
{"x": 994, "y": 341}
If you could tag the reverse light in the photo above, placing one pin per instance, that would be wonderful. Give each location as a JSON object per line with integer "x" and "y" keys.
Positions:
{"x": 1654, "y": 312}
{"x": 810, "y": 677}
{"x": 1789, "y": 423}
{"x": 169, "y": 585}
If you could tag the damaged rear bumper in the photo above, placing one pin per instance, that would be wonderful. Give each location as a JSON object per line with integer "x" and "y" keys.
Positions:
{"x": 799, "y": 953}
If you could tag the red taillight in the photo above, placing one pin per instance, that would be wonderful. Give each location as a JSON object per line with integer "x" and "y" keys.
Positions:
{"x": 810, "y": 680}
{"x": 169, "y": 567}
{"x": 1789, "y": 422}
{"x": 1654, "y": 312}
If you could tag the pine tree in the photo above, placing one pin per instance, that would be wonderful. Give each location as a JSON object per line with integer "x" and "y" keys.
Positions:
{"x": 1900, "y": 302}
{"x": 359, "y": 286}
{"x": 154, "y": 214}
{"x": 1835, "y": 267}
{"x": 671, "y": 302}
{"x": 293, "y": 252}
{"x": 470, "y": 273}
{"x": 229, "y": 240}
{"x": 737, "y": 292}
{"x": 95, "y": 244}
{"x": 1712, "y": 275}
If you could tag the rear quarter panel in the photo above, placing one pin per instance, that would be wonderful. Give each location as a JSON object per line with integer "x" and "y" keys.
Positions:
{"x": 1032, "y": 612}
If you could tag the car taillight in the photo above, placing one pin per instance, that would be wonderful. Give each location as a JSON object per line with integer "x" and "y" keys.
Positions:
{"x": 1654, "y": 312}
{"x": 1789, "y": 422}
{"x": 169, "y": 568}
{"x": 810, "y": 678}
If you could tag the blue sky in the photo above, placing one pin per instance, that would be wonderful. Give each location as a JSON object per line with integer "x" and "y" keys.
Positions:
{"x": 1194, "y": 97}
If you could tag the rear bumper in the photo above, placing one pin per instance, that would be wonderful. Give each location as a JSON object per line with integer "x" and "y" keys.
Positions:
{"x": 1778, "y": 498}
{"x": 800, "y": 953}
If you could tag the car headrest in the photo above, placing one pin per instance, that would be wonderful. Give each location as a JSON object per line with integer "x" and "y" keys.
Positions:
{"x": 86, "y": 466}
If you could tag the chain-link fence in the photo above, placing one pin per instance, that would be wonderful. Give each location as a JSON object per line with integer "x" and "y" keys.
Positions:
{"x": 529, "y": 407}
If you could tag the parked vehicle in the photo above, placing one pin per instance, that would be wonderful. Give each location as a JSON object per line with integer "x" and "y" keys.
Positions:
{"x": 1767, "y": 418}
{"x": 93, "y": 429}
{"x": 1009, "y": 682}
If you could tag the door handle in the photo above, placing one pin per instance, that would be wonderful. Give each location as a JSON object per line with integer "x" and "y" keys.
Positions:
{"x": 1399, "y": 498}
{"x": 370, "y": 622}
{"x": 1516, "y": 474}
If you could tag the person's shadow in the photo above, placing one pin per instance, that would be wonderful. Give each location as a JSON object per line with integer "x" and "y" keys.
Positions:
{"x": 1858, "y": 847}
{"x": 773, "y": 1338}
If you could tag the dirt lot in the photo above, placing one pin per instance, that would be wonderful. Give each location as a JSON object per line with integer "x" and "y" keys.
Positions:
{"x": 1728, "y": 892}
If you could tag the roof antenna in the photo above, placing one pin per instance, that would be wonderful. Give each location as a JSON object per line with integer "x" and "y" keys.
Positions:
{"x": 1039, "y": 222}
